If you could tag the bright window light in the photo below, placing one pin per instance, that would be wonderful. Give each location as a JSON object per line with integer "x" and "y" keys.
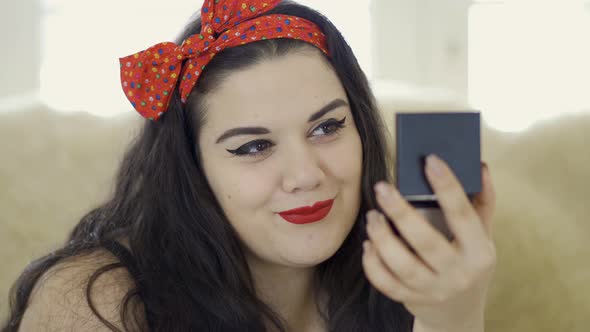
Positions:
{"x": 529, "y": 60}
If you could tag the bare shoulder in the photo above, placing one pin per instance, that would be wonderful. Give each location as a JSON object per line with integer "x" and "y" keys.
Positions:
{"x": 59, "y": 300}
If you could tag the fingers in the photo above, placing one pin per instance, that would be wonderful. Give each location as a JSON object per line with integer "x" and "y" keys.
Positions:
{"x": 438, "y": 268}
{"x": 429, "y": 243}
{"x": 384, "y": 280}
{"x": 460, "y": 215}
{"x": 484, "y": 203}
{"x": 396, "y": 256}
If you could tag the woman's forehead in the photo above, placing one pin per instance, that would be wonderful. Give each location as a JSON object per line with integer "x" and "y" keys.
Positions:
{"x": 287, "y": 87}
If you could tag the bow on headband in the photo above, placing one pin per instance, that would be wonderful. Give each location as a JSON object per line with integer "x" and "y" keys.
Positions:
{"x": 150, "y": 76}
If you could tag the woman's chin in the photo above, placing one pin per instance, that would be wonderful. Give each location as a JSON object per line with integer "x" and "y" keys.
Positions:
{"x": 309, "y": 254}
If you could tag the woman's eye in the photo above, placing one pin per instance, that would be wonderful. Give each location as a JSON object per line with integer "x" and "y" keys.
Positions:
{"x": 260, "y": 147}
{"x": 253, "y": 148}
{"x": 331, "y": 126}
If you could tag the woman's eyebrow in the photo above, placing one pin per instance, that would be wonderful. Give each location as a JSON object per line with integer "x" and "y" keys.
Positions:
{"x": 261, "y": 130}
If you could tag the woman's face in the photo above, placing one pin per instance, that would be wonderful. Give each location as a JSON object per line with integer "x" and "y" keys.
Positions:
{"x": 289, "y": 161}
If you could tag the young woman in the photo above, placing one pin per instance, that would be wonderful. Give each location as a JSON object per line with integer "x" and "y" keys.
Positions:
{"x": 245, "y": 201}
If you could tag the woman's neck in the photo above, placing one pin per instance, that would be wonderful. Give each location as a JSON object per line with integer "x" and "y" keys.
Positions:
{"x": 290, "y": 292}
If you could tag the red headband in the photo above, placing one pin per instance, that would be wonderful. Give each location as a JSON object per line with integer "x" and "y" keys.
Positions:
{"x": 150, "y": 76}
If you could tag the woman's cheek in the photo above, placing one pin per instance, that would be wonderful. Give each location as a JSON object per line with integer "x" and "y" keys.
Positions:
{"x": 249, "y": 186}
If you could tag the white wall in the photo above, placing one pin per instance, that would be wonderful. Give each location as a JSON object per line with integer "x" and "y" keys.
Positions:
{"x": 20, "y": 38}
{"x": 421, "y": 42}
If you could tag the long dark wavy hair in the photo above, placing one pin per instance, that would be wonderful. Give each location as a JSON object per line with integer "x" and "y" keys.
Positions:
{"x": 194, "y": 276}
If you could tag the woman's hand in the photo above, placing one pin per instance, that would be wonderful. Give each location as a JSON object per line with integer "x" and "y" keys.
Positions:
{"x": 444, "y": 285}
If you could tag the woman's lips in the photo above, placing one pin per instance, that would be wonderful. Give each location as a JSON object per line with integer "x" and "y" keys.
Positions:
{"x": 308, "y": 214}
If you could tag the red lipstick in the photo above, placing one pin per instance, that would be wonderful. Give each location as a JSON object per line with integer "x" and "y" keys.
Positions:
{"x": 308, "y": 214}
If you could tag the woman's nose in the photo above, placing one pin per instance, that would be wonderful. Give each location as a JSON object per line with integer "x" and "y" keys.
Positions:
{"x": 302, "y": 169}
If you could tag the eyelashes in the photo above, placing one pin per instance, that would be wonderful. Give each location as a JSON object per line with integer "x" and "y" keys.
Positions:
{"x": 261, "y": 146}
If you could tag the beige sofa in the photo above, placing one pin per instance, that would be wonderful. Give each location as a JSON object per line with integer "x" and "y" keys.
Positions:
{"x": 56, "y": 166}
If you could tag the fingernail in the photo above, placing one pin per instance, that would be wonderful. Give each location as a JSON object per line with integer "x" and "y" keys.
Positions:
{"x": 381, "y": 189}
{"x": 435, "y": 165}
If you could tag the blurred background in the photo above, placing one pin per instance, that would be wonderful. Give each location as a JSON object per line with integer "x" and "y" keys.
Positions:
{"x": 524, "y": 64}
